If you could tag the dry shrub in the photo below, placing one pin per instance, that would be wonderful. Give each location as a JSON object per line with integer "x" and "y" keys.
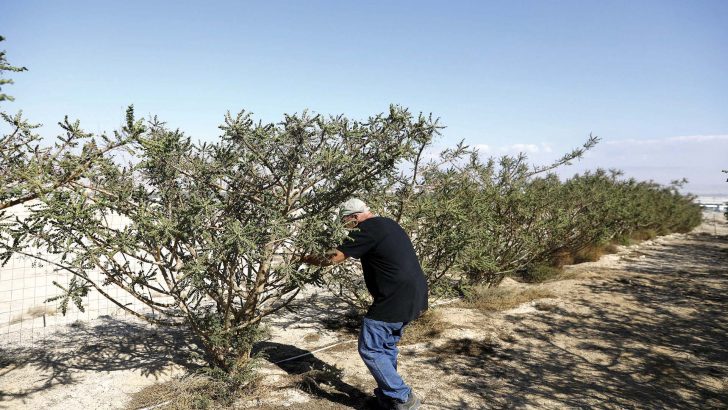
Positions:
{"x": 34, "y": 312}
{"x": 316, "y": 380}
{"x": 611, "y": 248}
{"x": 190, "y": 392}
{"x": 567, "y": 274}
{"x": 312, "y": 337}
{"x": 562, "y": 257}
{"x": 427, "y": 327}
{"x": 643, "y": 235}
{"x": 496, "y": 299}
{"x": 623, "y": 240}
{"x": 38, "y": 311}
{"x": 349, "y": 346}
{"x": 546, "y": 306}
{"x": 541, "y": 273}
{"x": 590, "y": 253}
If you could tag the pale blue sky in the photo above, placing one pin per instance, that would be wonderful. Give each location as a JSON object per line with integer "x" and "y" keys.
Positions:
{"x": 545, "y": 73}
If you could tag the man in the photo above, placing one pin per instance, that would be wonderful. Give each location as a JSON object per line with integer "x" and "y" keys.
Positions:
{"x": 398, "y": 286}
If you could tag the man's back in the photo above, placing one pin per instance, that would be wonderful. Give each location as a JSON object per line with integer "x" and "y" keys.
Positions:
{"x": 392, "y": 272}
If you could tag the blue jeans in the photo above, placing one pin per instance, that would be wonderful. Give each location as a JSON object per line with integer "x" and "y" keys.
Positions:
{"x": 378, "y": 349}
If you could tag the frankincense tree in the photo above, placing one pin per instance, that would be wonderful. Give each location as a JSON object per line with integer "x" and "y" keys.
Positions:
{"x": 31, "y": 169}
{"x": 213, "y": 233}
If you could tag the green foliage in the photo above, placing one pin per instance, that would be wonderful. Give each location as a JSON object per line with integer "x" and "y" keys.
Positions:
{"x": 597, "y": 207}
{"x": 508, "y": 210}
{"x": 473, "y": 222}
{"x": 5, "y": 66}
{"x": 212, "y": 234}
{"x": 75, "y": 292}
{"x": 29, "y": 171}
{"x": 482, "y": 219}
{"x": 227, "y": 381}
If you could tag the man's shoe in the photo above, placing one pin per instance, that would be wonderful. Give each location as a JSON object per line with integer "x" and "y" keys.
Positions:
{"x": 413, "y": 402}
{"x": 383, "y": 401}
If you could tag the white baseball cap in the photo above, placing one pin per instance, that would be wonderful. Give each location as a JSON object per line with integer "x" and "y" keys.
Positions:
{"x": 353, "y": 206}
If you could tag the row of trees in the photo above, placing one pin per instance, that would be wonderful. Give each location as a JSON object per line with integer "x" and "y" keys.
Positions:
{"x": 474, "y": 222}
{"x": 211, "y": 234}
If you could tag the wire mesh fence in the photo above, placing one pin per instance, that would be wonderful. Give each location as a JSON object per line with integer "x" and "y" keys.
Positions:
{"x": 26, "y": 284}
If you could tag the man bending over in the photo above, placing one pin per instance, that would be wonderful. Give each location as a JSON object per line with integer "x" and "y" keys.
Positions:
{"x": 395, "y": 280}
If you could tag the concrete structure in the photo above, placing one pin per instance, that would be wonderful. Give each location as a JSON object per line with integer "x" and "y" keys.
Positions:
{"x": 713, "y": 203}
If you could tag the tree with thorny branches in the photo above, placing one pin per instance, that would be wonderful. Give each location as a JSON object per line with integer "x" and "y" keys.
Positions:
{"x": 212, "y": 234}
{"x": 30, "y": 169}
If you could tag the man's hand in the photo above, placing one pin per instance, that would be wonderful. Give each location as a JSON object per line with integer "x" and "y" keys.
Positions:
{"x": 332, "y": 257}
{"x": 336, "y": 256}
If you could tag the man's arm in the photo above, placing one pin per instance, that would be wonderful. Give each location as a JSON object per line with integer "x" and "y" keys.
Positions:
{"x": 332, "y": 257}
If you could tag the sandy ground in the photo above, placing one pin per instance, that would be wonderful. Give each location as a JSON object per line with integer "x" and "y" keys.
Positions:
{"x": 644, "y": 328}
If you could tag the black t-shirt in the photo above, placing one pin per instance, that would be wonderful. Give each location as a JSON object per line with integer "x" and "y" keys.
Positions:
{"x": 391, "y": 270}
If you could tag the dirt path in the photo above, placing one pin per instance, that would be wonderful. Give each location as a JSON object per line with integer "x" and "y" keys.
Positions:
{"x": 645, "y": 328}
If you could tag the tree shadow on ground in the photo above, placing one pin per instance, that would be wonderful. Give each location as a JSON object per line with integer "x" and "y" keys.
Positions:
{"x": 666, "y": 348}
{"x": 315, "y": 376}
{"x": 107, "y": 344}
{"x": 320, "y": 310}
